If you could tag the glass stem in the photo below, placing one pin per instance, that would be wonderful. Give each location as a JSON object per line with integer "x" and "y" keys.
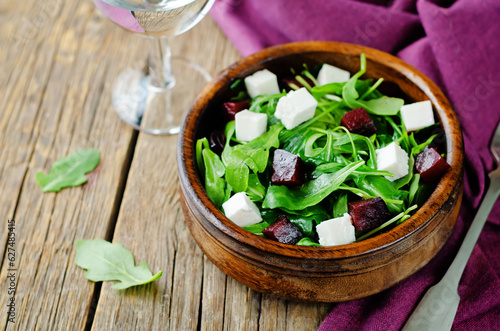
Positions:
{"x": 160, "y": 64}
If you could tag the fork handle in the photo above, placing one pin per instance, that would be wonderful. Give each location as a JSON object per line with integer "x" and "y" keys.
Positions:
{"x": 456, "y": 269}
{"x": 436, "y": 311}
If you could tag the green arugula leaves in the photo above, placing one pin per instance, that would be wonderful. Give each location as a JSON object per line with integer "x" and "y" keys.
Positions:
{"x": 69, "y": 171}
{"x": 105, "y": 261}
{"x": 341, "y": 166}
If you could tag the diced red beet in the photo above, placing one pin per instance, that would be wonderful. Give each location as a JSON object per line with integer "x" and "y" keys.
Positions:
{"x": 217, "y": 141}
{"x": 288, "y": 169}
{"x": 230, "y": 108}
{"x": 283, "y": 231}
{"x": 287, "y": 81}
{"x": 368, "y": 214}
{"x": 357, "y": 121}
{"x": 430, "y": 165}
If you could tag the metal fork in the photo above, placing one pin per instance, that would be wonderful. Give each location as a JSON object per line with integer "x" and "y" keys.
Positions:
{"x": 439, "y": 305}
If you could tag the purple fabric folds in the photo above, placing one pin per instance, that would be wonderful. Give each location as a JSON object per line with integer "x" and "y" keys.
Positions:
{"x": 456, "y": 44}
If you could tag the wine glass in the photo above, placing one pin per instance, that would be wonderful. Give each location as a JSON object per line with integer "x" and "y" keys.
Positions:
{"x": 144, "y": 100}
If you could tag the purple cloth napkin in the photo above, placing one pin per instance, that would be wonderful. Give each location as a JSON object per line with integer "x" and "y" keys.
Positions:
{"x": 455, "y": 43}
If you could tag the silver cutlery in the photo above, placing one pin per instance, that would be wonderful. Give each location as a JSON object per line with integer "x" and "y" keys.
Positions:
{"x": 436, "y": 311}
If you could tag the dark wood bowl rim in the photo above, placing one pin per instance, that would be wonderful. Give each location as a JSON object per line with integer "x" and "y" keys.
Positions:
{"x": 192, "y": 186}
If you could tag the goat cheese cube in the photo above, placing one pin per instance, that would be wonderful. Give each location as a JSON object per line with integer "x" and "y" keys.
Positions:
{"x": 331, "y": 74}
{"x": 262, "y": 82}
{"x": 417, "y": 115}
{"x": 295, "y": 108}
{"x": 394, "y": 159}
{"x": 249, "y": 125}
{"x": 337, "y": 231}
{"x": 241, "y": 210}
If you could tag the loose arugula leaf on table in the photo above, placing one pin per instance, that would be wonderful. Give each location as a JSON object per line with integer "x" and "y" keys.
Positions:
{"x": 105, "y": 261}
{"x": 311, "y": 193}
{"x": 69, "y": 171}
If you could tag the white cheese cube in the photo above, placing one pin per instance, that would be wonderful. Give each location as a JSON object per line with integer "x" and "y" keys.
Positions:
{"x": 417, "y": 115}
{"x": 262, "y": 82}
{"x": 249, "y": 125}
{"x": 337, "y": 231}
{"x": 241, "y": 210}
{"x": 295, "y": 108}
{"x": 330, "y": 74}
{"x": 394, "y": 159}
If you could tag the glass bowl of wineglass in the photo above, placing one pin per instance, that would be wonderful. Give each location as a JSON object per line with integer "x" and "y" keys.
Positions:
{"x": 144, "y": 99}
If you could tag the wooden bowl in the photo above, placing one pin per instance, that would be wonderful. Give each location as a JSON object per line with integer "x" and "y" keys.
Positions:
{"x": 321, "y": 274}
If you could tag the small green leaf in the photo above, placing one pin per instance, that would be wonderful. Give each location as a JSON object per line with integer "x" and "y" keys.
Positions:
{"x": 257, "y": 228}
{"x": 105, "y": 261}
{"x": 69, "y": 171}
{"x": 311, "y": 193}
{"x": 214, "y": 181}
{"x": 306, "y": 241}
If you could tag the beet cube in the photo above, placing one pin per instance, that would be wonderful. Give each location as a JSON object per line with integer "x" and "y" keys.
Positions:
{"x": 230, "y": 108}
{"x": 288, "y": 169}
{"x": 217, "y": 141}
{"x": 368, "y": 214}
{"x": 357, "y": 121}
{"x": 430, "y": 165}
{"x": 283, "y": 231}
{"x": 287, "y": 81}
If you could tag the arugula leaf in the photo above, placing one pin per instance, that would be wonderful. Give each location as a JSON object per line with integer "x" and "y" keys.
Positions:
{"x": 257, "y": 228}
{"x": 105, "y": 261}
{"x": 381, "y": 187}
{"x": 255, "y": 190}
{"x": 306, "y": 241}
{"x": 400, "y": 218}
{"x": 255, "y": 153}
{"x": 349, "y": 92}
{"x": 214, "y": 181}
{"x": 413, "y": 188}
{"x": 236, "y": 172}
{"x": 311, "y": 193}
{"x": 340, "y": 205}
{"x": 69, "y": 171}
{"x": 382, "y": 106}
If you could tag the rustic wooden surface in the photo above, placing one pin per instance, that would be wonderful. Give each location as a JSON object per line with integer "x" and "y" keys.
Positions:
{"x": 58, "y": 60}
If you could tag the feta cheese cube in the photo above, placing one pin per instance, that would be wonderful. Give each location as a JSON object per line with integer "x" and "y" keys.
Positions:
{"x": 262, "y": 82}
{"x": 394, "y": 159}
{"x": 295, "y": 108}
{"x": 331, "y": 74}
{"x": 241, "y": 210}
{"x": 337, "y": 231}
{"x": 249, "y": 125}
{"x": 417, "y": 115}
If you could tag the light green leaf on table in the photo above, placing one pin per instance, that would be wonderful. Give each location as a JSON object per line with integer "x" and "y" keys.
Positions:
{"x": 69, "y": 171}
{"x": 105, "y": 261}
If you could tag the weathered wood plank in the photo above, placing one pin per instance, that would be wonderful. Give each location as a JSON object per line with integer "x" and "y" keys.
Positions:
{"x": 214, "y": 292}
{"x": 65, "y": 106}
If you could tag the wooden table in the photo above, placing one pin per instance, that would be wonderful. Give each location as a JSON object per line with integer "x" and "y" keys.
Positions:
{"x": 58, "y": 60}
